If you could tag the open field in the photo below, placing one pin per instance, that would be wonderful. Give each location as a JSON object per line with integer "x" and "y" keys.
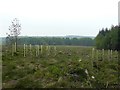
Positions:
{"x": 59, "y": 67}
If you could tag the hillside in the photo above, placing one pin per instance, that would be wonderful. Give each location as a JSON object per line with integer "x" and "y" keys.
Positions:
{"x": 56, "y": 40}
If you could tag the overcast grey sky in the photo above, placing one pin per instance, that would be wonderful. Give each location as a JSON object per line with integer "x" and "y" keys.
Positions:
{"x": 58, "y": 17}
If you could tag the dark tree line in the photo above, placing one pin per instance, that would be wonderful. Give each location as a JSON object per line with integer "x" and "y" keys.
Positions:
{"x": 108, "y": 38}
{"x": 56, "y": 41}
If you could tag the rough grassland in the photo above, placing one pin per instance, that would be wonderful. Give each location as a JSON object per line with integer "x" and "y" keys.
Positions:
{"x": 65, "y": 67}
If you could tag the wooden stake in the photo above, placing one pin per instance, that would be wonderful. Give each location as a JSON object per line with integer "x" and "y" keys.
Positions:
{"x": 49, "y": 49}
{"x": 30, "y": 47}
{"x": 111, "y": 54}
{"x": 97, "y": 60}
{"x": 108, "y": 54}
{"x": 103, "y": 54}
{"x": 24, "y": 50}
{"x": 15, "y": 46}
{"x": 41, "y": 49}
{"x": 93, "y": 53}
{"x": 97, "y": 55}
{"x": 38, "y": 49}
{"x": 92, "y": 57}
{"x": 12, "y": 50}
{"x": 55, "y": 49}
{"x": 46, "y": 48}
{"x": 116, "y": 53}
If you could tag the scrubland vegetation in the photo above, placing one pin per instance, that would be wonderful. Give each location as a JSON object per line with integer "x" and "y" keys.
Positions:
{"x": 59, "y": 67}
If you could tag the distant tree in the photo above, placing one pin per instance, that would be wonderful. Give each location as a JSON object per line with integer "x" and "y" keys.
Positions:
{"x": 15, "y": 31}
